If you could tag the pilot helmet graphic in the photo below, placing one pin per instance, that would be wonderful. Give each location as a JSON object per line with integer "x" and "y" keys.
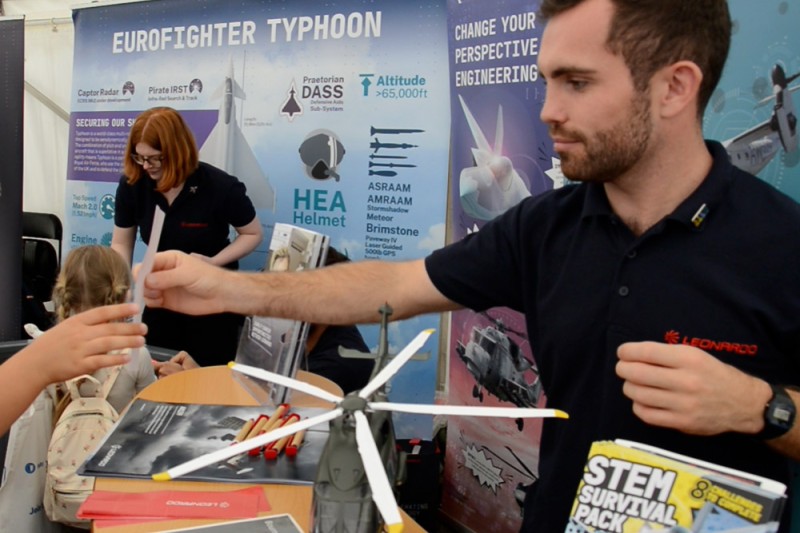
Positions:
{"x": 128, "y": 88}
{"x": 321, "y": 153}
{"x": 196, "y": 85}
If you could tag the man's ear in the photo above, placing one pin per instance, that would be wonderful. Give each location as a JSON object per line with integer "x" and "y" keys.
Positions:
{"x": 676, "y": 88}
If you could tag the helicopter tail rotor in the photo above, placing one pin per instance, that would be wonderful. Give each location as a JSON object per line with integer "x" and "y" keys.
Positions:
{"x": 394, "y": 365}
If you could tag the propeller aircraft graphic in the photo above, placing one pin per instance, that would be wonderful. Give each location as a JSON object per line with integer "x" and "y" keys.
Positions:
{"x": 753, "y": 149}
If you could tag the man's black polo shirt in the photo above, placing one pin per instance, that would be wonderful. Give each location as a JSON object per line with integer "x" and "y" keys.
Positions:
{"x": 730, "y": 285}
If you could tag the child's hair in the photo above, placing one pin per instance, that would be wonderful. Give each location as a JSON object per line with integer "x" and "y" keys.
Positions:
{"x": 91, "y": 276}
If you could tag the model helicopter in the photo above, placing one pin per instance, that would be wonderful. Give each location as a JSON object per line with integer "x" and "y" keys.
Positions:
{"x": 753, "y": 149}
{"x": 498, "y": 365}
{"x": 353, "y": 491}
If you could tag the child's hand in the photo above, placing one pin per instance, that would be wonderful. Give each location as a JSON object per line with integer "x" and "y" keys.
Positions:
{"x": 81, "y": 344}
{"x": 180, "y": 361}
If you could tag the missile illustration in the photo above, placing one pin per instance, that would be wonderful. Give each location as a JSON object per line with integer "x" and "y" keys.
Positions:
{"x": 390, "y": 165}
{"x": 384, "y": 173}
{"x": 392, "y": 131}
{"x": 377, "y": 145}
{"x": 376, "y": 156}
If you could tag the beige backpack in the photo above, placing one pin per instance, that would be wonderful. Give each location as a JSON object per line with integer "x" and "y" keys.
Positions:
{"x": 80, "y": 429}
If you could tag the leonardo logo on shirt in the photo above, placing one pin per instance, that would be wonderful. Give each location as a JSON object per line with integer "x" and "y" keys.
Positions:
{"x": 674, "y": 337}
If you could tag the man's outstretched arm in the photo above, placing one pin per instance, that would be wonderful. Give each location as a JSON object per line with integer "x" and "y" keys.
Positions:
{"x": 348, "y": 293}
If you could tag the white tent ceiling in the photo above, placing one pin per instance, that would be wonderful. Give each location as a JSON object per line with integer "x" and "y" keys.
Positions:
{"x": 49, "y": 38}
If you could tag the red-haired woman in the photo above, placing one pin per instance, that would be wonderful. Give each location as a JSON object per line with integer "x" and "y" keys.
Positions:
{"x": 201, "y": 203}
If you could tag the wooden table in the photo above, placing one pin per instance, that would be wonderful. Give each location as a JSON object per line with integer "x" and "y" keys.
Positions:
{"x": 216, "y": 385}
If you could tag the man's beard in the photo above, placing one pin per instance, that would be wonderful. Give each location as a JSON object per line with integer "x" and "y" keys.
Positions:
{"x": 611, "y": 152}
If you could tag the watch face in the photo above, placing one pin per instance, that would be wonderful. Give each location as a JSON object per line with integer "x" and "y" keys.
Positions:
{"x": 782, "y": 415}
{"x": 781, "y": 411}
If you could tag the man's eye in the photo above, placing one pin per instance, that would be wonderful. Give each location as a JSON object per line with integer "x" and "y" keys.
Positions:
{"x": 577, "y": 84}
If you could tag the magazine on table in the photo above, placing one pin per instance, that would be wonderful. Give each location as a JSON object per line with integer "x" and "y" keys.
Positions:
{"x": 278, "y": 344}
{"x": 283, "y": 523}
{"x": 629, "y": 486}
{"x": 152, "y": 437}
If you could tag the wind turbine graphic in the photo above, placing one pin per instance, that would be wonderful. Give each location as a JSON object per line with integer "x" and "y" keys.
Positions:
{"x": 354, "y": 468}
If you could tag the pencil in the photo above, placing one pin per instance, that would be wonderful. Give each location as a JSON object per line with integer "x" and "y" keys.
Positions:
{"x": 245, "y": 429}
{"x": 272, "y": 451}
{"x": 276, "y": 417}
{"x": 258, "y": 429}
{"x": 295, "y": 443}
{"x": 261, "y": 421}
{"x": 241, "y": 447}
{"x": 286, "y": 420}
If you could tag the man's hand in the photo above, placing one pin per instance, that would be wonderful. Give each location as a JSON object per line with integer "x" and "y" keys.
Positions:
{"x": 684, "y": 388}
{"x": 184, "y": 283}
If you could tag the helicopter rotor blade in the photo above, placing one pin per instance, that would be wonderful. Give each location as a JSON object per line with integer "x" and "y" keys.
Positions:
{"x": 244, "y": 446}
{"x": 394, "y": 365}
{"x": 382, "y": 493}
{"x": 286, "y": 381}
{"x": 466, "y": 410}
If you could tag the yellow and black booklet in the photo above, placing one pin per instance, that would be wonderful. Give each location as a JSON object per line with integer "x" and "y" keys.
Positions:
{"x": 629, "y": 487}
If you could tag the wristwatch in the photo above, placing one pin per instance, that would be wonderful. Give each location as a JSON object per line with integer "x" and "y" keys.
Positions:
{"x": 779, "y": 414}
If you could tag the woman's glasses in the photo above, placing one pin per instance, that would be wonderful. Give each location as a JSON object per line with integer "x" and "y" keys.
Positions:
{"x": 152, "y": 160}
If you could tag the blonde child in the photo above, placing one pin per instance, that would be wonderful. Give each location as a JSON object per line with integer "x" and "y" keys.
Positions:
{"x": 94, "y": 276}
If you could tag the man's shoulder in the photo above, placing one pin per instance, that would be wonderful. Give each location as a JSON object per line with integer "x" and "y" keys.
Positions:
{"x": 760, "y": 194}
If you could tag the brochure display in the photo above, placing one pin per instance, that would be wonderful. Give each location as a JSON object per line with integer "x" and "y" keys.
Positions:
{"x": 278, "y": 344}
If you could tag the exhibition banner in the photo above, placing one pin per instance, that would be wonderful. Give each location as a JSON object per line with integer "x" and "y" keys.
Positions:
{"x": 12, "y": 82}
{"x": 500, "y": 154}
{"x": 751, "y": 110}
{"x": 335, "y": 116}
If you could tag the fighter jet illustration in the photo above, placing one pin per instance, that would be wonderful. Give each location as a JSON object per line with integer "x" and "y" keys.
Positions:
{"x": 492, "y": 186}
{"x": 227, "y": 148}
{"x": 753, "y": 149}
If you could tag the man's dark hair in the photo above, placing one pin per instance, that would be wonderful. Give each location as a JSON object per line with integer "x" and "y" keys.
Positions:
{"x": 651, "y": 34}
